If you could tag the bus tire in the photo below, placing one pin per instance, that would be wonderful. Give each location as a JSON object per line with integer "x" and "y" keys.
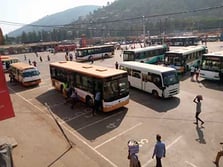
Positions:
{"x": 89, "y": 101}
{"x": 155, "y": 94}
{"x": 106, "y": 55}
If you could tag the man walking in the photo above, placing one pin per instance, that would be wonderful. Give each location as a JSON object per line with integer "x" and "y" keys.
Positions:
{"x": 159, "y": 151}
{"x": 197, "y": 100}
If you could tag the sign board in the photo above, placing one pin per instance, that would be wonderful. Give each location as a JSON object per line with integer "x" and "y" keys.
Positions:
{"x": 6, "y": 109}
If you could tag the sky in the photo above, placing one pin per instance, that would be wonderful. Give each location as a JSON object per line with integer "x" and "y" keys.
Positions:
{"x": 28, "y": 11}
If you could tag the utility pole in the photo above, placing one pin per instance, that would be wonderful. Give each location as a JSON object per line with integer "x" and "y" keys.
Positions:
{"x": 144, "y": 30}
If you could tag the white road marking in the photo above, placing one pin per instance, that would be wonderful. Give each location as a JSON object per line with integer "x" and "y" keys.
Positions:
{"x": 70, "y": 131}
{"x": 170, "y": 145}
{"x": 189, "y": 163}
{"x": 127, "y": 130}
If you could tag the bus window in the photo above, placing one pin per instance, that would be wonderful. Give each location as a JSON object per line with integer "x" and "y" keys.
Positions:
{"x": 136, "y": 74}
{"x": 157, "y": 80}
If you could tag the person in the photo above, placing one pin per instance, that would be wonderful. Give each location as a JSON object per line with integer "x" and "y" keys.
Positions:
{"x": 192, "y": 70}
{"x": 116, "y": 65}
{"x": 34, "y": 63}
{"x": 40, "y": 58}
{"x": 48, "y": 57}
{"x": 218, "y": 156}
{"x": 11, "y": 76}
{"x": 71, "y": 57}
{"x": 66, "y": 57}
{"x": 73, "y": 98}
{"x": 197, "y": 72}
{"x": 197, "y": 100}
{"x": 24, "y": 57}
{"x": 30, "y": 62}
{"x": 159, "y": 151}
{"x": 97, "y": 102}
{"x": 134, "y": 161}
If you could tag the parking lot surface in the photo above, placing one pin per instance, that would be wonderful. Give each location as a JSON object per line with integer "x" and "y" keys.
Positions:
{"x": 101, "y": 140}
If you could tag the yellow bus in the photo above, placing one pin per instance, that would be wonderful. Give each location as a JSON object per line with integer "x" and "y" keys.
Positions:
{"x": 6, "y": 61}
{"x": 25, "y": 74}
{"x": 87, "y": 79}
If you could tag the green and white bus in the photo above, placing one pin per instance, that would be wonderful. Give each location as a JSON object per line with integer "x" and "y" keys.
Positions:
{"x": 150, "y": 54}
{"x": 183, "y": 59}
{"x": 156, "y": 79}
{"x": 212, "y": 66}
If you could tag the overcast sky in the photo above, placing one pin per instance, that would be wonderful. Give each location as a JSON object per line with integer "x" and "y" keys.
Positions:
{"x": 28, "y": 11}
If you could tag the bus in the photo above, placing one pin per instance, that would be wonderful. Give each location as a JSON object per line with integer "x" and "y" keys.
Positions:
{"x": 183, "y": 59}
{"x": 158, "y": 80}
{"x": 87, "y": 79}
{"x": 150, "y": 54}
{"x": 94, "y": 52}
{"x": 183, "y": 41}
{"x": 25, "y": 74}
{"x": 212, "y": 66}
{"x": 6, "y": 61}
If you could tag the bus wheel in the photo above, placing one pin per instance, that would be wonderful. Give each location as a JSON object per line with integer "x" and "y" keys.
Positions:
{"x": 89, "y": 101}
{"x": 106, "y": 55}
{"x": 155, "y": 94}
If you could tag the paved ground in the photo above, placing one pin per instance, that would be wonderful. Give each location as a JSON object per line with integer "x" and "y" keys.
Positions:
{"x": 102, "y": 140}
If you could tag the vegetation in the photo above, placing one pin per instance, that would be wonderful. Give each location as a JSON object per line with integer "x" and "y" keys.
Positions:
{"x": 124, "y": 18}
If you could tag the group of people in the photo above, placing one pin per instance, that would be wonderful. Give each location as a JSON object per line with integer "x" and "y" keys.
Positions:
{"x": 159, "y": 152}
{"x": 195, "y": 71}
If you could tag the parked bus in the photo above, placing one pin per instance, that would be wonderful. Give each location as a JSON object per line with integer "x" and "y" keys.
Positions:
{"x": 65, "y": 47}
{"x": 183, "y": 59}
{"x": 89, "y": 79}
{"x": 212, "y": 66}
{"x": 183, "y": 40}
{"x": 159, "y": 80}
{"x": 150, "y": 54}
{"x": 25, "y": 74}
{"x": 6, "y": 61}
{"x": 95, "y": 52}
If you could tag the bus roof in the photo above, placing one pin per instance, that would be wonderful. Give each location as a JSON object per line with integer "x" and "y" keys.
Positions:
{"x": 94, "y": 47}
{"x": 96, "y": 71}
{"x": 145, "y": 67}
{"x": 22, "y": 66}
{"x": 216, "y": 54}
{"x": 187, "y": 50}
{"x": 138, "y": 50}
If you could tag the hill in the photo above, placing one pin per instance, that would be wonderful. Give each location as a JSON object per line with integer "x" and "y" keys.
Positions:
{"x": 61, "y": 18}
{"x": 125, "y": 17}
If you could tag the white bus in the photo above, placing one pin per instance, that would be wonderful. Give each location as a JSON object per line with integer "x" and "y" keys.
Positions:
{"x": 94, "y": 52}
{"x": 150, "y": 54}
{"x": 158, "y": 80}
{"x": 25, "y": 74}
{"x": 183, "y": 59}
{"x": 212, "y": 66}
{"x": 89, "y": 79}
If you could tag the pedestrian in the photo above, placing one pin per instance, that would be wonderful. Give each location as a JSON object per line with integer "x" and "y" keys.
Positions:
{"x": 192, "y": 70}
{"x": 197, "y": 72}
{"x": 34, "y": 63}
{"x": 24, "y": 57}
{"x": 133, "y": 149}
{"x": 197, "y": 100}
{"x": 73, "y": 98}
{"x": 48, "y": 57}
{"x": 66, "y": 57}
{"x": 97, "y": 103}
{"x": 92, "y": 60}
{"x": 159, "y": 151}
{"x": 30, "y": 62}
{"x": 40, "y": 58}
{"x": 116, "y": 65}
{"x": 71, "y": 57}
{"x": 218, "y": 156}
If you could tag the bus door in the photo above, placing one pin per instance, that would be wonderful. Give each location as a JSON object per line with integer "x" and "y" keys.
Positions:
{"x": 135, "y": 79}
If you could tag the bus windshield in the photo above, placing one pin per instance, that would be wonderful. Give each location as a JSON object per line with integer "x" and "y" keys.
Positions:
{"x": 30, "y": 73}
{"x": 211, "y": 64}
{"x": 170, "y": 78}
{"x": 114, "y": 89}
